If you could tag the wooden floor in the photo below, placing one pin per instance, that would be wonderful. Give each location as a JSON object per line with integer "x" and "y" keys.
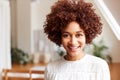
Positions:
{"x": 114, "y": 69}
{"x": 27, "y": 66}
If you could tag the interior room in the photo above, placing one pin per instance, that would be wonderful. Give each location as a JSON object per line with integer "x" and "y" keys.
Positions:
{"x": 24, "y": 48}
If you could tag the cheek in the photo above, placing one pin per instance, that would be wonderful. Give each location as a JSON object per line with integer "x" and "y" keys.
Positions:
{"x": 82, "y": 41}
{"x": 64, "y": 42}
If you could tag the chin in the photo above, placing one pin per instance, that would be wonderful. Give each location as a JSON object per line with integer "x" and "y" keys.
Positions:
{"x": 73, "y": 53}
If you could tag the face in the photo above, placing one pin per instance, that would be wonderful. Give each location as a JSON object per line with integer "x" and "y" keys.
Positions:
{"x": 73, "y": 40}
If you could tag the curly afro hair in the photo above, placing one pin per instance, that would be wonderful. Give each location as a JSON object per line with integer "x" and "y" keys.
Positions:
{"x": 65, "y": 11}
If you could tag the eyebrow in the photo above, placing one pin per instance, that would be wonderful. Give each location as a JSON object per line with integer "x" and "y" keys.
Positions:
{"x": 79, "y": 32}
{"x": 76, "y": 32}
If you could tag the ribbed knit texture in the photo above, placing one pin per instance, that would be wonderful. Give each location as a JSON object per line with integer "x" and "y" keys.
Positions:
{"x": 87, "y": 68}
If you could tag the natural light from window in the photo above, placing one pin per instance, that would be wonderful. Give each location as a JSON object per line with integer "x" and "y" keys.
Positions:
{"x": 109, "y": 17}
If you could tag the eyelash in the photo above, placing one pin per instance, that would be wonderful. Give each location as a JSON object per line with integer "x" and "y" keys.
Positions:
{"x": 67, "y": 35}
{"x": 78, "y": 35}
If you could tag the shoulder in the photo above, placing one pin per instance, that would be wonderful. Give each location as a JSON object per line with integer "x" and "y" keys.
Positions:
{"x": 54, "y": 64}
{"x": 94, "y": 59}
{"x": 96, "y": 62}
{"x": 100, "y": 66}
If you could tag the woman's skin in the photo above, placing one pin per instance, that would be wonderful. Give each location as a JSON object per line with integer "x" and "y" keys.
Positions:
{"x": 73, "y": 40}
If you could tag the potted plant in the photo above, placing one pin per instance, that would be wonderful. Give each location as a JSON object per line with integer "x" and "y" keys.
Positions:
{"x": 19, "y": 56}
{"x": 98, "y": 50}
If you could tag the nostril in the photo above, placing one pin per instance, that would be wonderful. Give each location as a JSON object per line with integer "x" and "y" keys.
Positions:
{"x": 73, "y": 41}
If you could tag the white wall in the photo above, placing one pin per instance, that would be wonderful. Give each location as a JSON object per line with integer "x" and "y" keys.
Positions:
{"x": 39, "y": 10}
{"x": 110, "y": 39}
{"x": 5, "y": 56}
{"x": 114, "y": 7}
{"x": 27, "y": 17}
{"x": 112, "y": 42}
{"x": 23, "y": 25}
{"x": 20, "y": 22}
{"x": 13, "y": 8}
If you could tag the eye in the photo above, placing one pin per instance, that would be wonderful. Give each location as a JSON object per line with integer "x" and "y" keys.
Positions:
{"x": 65, "y": 35}
{"x": 79, "y": 35}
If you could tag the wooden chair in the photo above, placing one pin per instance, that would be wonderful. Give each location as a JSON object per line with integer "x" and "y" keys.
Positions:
{"x": 36, "y": 75}
{"x": 10, "y": 74}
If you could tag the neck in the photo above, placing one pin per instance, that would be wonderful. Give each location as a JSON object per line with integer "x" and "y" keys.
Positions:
{"x": 73, "y": 58}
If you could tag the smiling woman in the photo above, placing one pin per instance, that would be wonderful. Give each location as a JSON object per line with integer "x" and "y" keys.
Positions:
{"x": 73, "y": 40}
{"x": 74, "y": 24}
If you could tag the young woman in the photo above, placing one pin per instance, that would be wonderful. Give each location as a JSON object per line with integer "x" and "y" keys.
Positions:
{"x": 74, "y": 24}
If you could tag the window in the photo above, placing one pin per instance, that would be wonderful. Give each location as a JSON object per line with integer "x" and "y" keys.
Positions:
{"x": 109, "y": 17}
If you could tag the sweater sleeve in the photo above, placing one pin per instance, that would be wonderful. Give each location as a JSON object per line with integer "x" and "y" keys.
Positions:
{"x": 47, "y": 75}
{"x": 105, "y": 73}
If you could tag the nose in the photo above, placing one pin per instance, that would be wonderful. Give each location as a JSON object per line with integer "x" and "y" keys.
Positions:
{"x": 73, "y": 40}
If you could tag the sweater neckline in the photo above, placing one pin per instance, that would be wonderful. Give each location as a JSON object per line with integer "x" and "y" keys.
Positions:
{"x": 80, "y": 60}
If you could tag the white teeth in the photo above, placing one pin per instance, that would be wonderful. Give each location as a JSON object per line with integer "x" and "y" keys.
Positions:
{"x": 74, "y": 47}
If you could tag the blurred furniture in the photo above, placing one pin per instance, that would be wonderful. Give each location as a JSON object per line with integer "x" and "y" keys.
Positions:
{"x": 27, "y": 66}
{"x": 18, "y": 74}
{"x": 115, "y": 71}
{"x": 36, "y": 75}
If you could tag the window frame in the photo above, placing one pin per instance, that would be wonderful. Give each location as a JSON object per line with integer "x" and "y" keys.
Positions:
{"x": 109, "y": 17}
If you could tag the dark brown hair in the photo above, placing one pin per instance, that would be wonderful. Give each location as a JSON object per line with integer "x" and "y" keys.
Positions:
{"x": 65, "y": 11}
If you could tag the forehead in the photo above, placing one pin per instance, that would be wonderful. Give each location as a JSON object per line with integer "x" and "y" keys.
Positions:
{"x": 73, "y": 27}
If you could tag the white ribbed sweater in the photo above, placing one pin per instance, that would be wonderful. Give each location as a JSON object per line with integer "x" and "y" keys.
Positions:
{"x": 87, "y": 68}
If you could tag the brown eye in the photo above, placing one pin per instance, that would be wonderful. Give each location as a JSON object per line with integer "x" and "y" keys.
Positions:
{"x": 65, "y": 35}
{"x": 79, "y": 35}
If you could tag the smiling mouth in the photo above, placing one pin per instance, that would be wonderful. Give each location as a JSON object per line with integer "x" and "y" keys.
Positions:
{"x": 73, "y": 48}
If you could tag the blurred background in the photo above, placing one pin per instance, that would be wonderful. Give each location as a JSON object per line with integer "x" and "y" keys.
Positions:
{"x": 23, "y": 43}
